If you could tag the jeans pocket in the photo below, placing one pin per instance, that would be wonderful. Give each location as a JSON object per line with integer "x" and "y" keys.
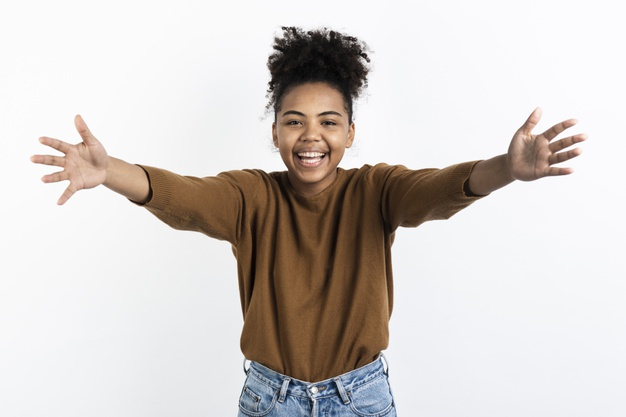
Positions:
{"x": 257, "y": 398}
{"x": 373, "y": 399}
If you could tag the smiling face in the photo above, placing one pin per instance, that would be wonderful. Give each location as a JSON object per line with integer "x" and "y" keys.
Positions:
{"x": 312, "y": 132}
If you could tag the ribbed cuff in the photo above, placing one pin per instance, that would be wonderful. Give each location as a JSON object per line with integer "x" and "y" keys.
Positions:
{"x": 160, "y": 188}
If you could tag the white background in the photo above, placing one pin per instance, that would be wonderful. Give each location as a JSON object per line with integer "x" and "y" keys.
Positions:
{"x": 514, "y": 307}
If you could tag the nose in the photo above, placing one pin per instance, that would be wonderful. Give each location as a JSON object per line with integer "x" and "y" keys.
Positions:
{"x": 311, "y": 133}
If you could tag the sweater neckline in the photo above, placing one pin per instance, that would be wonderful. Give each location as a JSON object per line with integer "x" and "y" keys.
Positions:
{"x": 322, "y": 194}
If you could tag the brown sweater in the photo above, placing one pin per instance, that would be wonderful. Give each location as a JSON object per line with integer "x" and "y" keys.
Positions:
{"x": 315, "y": 276}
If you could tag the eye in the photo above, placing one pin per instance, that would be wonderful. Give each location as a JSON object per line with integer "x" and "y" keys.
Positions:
{"x": 329, "y": 123}
{"x": 293, "y": 122}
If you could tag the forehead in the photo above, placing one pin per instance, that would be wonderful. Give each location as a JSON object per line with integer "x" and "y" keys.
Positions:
{"x": 314, "y": 97}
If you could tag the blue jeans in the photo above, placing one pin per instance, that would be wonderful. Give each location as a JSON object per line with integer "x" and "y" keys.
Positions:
{"x": 364, "y": 392}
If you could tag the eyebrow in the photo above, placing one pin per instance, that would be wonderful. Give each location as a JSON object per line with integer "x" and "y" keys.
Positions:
{"x": 325, "y": 113}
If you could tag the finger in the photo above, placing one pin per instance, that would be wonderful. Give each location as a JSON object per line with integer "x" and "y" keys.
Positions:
{"x": 55, "y": 177}
{"x": 67, "y": 194}
{"x": 557, "y": 171}
{"x": 531, "y": 122}
{"x": 51, "y": 160}
{"x": 55, "y": 144}
{"x": 566, "y": 142}
{"x": 564, "y": 156}
{"x": 558, "y": 128}
{"x": 84, "y": 131}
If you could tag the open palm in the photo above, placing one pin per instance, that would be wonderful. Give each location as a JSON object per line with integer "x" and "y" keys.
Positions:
{"x": 84, "y": 165}
{"x": 531, "y": 157}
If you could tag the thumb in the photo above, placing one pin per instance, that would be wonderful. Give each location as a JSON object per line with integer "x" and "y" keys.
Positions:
{"x": 531, "y": 122}
{"x": 84, "y": 131}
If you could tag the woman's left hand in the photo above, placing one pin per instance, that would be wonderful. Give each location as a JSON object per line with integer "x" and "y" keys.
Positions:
{"x": 531, "y": 157}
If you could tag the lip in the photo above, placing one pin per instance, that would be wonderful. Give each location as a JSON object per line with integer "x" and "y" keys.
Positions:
{"x": 304, "y": 150}
{"x": 300, "y": 162}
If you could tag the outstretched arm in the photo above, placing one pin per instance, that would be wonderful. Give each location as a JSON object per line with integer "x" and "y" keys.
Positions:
{"x": 529, "y": 157}
{"x": 87, "y": 165}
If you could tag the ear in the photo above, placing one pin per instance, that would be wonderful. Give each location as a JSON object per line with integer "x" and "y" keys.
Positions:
{"x": 351, "y": 133}
{"x": 274, "y": 134}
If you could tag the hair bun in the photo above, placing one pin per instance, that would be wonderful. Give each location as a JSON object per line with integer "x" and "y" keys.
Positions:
{"x": 321, "y": 55}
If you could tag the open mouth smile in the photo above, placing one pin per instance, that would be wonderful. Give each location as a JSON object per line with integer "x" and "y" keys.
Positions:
{"x": 311, "y": 158}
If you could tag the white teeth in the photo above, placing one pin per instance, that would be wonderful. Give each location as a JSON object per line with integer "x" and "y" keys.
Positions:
{"x": 311, "y": 154}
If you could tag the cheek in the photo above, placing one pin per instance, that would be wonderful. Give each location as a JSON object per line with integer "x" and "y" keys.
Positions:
{"x": 285, "y": 151}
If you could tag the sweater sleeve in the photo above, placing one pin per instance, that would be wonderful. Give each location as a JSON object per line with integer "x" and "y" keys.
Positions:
{"x": 412, "y": 197}
{"x": 214, "y": 205}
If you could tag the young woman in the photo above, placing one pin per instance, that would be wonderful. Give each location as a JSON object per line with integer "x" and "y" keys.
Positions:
{"x": 313, "y": 242}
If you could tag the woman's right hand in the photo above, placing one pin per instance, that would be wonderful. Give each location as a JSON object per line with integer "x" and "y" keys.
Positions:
{"x": 84, "y": 165}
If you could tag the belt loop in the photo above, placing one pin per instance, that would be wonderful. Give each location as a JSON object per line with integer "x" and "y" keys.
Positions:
{"x": 245, "y": 371}
{"x": 385, "y": 364}
{"x": 283, "y": 390}
{"x": 342, "y": 391}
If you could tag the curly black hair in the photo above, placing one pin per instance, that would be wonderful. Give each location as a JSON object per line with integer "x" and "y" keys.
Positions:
{"x": 321, "y": 55}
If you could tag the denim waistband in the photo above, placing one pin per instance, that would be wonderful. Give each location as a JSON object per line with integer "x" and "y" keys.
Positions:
{"x": 338, "y": 385}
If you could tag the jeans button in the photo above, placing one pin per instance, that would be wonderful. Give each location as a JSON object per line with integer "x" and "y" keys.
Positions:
{"x": 314, "y": 390}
